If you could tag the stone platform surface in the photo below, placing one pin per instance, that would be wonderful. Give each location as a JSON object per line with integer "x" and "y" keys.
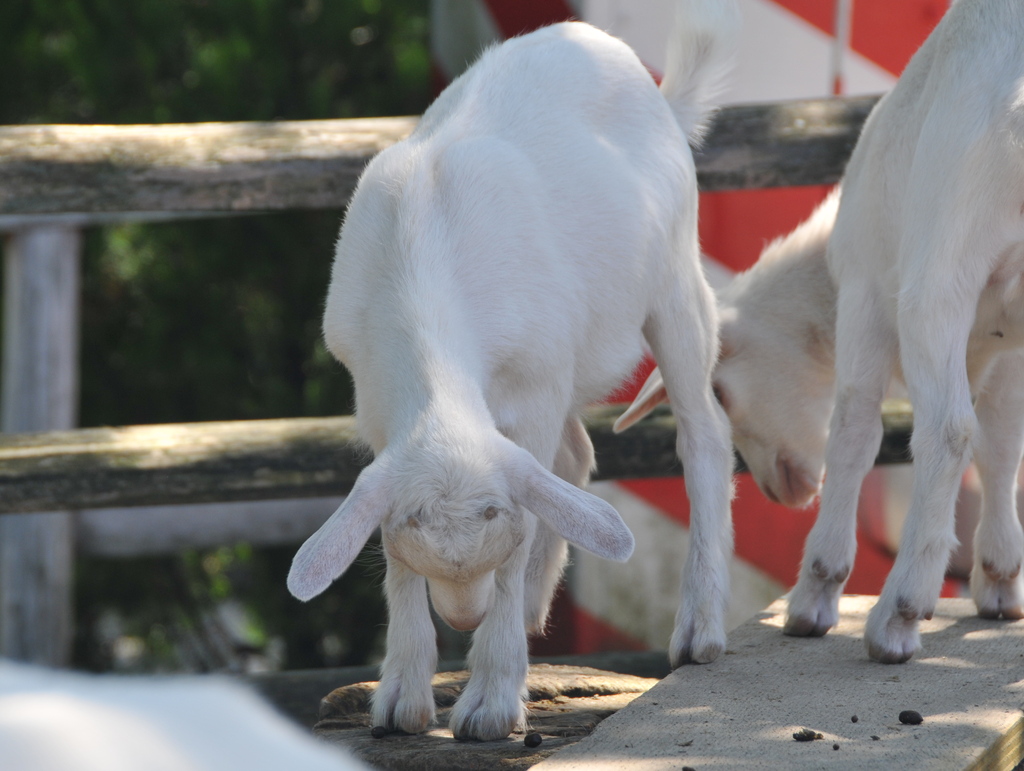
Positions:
{"x": 741, "y": 711}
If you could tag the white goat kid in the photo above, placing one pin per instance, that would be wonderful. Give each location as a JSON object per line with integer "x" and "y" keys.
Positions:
{"x": 926, "y": 261}
{"x": 497, "y": 272}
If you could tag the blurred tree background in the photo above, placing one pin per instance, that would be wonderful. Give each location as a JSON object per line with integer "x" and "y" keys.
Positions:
{"x": 214, "y": 319}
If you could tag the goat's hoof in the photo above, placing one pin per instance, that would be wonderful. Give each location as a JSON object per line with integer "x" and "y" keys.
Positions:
{"x": 802, "y": 626}
{"x": 998, "y": 593}
{"x": 394, "y": 710}
{"x": 891, "y": 634}
{"x": 486, "y": 724}
{"x": 488, "y": 710}
{"x": 405, "y": 721}
{"x": 695, "y": 654}
{"x": 696, "y": 642}
{"x": 884, "y": 655}
{"x": 813, "y": 607}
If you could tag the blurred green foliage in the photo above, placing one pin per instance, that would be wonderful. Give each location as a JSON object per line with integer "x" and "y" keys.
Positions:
{"x": 223, "y": 609}
{"x": 115, "y": 61}
{"x": 210, "y": 320}
{"x": 214, "y": 319}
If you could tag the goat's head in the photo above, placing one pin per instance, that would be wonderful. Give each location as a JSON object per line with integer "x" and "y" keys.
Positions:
{"x": 779, "y": 399}
{"x": 454, "y": 522}
{"x": 775, "y": 375}
{"x": 455, "y": 511}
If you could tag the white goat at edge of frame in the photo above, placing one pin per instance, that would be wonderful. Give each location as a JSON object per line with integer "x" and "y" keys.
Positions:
{"x": 916, "y": 275}
{"x": 55, "y": 720}
{"x": 498, "y": 271}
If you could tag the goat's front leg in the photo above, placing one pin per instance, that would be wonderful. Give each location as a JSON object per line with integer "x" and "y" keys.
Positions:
{"x": 492, "y": 704}
{"x": 997, "y": 584}
{"x": 934, "y": 325}
{"x": 864, "y": 356}
{"x": 404, "y": 699}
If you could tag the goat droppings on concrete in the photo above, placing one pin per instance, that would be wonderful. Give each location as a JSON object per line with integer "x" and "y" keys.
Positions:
{"x": 853, "y": 719}
{"x": 911, "y": 717}
{"x": 806, "y": 735}
{"x": 533, "y": 740}
{"x": 378, "y": 732}
{"x": 835, "y": 745}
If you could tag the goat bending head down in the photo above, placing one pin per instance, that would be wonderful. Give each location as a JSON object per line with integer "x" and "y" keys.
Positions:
{"x": 775, "y": 376}
{"x": 498, "y": 271}
{"x": 916, "y": 274}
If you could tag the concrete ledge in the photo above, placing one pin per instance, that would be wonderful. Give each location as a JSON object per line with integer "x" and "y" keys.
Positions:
{"x": 742, "y": 710}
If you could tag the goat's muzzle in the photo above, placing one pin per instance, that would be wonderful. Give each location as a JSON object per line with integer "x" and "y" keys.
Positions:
{"x": 462, "y": 605}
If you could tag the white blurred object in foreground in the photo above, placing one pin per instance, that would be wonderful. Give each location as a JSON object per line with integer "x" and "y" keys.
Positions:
{"x": 61, "y": 721}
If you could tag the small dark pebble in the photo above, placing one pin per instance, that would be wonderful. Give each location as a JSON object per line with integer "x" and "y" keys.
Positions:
{"x": 533, "y": 740}
{"x": 835, "y": 746}
{"x": 853, "y": 719}
{"x": 806, "y": 735}
{"x": 911, "y": 717}
{"x": 688, "y": 768}
{"x": 378, "y": 732}
{"x": 875, "y": 738}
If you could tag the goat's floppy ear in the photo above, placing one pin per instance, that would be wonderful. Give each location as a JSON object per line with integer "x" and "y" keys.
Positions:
{"x": 579, "y": 517}
{"x": 651, "y": 395}
{"x": 330, "y": 550}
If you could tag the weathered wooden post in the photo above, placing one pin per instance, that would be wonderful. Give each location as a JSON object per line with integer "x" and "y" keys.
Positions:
{"x": 38, "y": 392}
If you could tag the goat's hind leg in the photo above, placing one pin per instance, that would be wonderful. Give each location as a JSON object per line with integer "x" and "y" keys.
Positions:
{"x": 683, "y": 337}
{"x": 947, "y": 255}
{"x": 944, "y": 428}
{"x": 574, "y": 462}
{"x": 997, "y": 584}
{"x": 935, "y": 318}
{"x": 864, "y": 356}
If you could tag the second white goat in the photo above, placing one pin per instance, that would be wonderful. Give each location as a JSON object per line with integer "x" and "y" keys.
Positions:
{"x": 923, "y": 282}
{"x": 496, "y": 272}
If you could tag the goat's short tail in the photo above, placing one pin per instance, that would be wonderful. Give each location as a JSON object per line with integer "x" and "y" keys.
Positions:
{"x": 700, "y": 54}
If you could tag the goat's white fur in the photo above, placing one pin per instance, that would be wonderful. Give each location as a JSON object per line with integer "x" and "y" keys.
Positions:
{"x": 923, "y": 283}
{"x": 54, "y": 720}
{"x": 496, "y": 272}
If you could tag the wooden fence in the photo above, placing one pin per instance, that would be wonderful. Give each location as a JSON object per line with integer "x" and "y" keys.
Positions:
{"x": 56, "y": 179}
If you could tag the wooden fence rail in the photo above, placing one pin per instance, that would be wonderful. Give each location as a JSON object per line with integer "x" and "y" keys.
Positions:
{"x": 261, "y": 459}
{"x": 63, "y": 171}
